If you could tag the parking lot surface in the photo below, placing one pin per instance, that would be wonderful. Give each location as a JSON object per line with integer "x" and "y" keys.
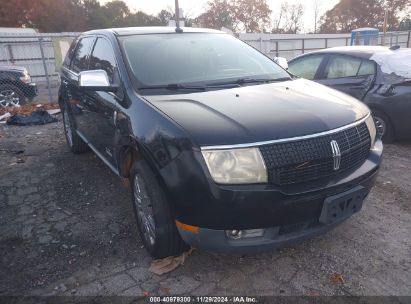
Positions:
{"x": 67, "y": 228}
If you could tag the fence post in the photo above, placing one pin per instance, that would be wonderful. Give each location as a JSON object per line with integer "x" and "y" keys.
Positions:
{"x": 10, "y": 51}
{"x": 326, "y": 43}
{"x": 409, "y": 38}
{"x": 276, "y": 48}
{"x": 45, "y": 68}
{"x": 261, "y": 44}
{"x": 303, "y": 45}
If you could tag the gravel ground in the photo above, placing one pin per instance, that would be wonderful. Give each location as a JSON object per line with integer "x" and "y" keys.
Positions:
{"x": 67, "y": 228}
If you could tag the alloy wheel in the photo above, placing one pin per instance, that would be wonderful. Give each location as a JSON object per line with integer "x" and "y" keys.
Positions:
{"x": 9, "y": 98}
{"x": 144, "y": 209}
{"x": 380, "y": 125}
{"x": 67, "y": 128}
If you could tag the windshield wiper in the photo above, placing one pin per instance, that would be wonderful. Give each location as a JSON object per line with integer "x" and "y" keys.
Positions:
{"x": 174, "y": 86}
{"x": 246, "y": 80}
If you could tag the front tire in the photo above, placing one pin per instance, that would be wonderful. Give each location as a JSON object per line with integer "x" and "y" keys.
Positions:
{"x": 153, "y": 214}
{"x": 384, "y": 128}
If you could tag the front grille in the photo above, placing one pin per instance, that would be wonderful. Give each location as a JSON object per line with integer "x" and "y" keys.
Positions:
{"x": 311, "y": 159}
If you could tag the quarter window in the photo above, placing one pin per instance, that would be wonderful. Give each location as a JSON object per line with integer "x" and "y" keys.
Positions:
{"x": 103, "y": 58}
{"x": 81, "y": 56}
{"x": 367, "y": 68}
{"x": 305, "y": 67}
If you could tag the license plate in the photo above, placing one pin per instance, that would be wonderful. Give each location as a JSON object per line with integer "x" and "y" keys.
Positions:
{"x": 343, "y": 205}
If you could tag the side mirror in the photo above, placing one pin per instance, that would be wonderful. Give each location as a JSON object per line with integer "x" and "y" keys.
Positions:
{"x": 282, "y": 62}
{"x": 95, "y": 80}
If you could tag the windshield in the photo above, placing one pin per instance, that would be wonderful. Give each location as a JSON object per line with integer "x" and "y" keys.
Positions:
{"x": 157, "y": 60}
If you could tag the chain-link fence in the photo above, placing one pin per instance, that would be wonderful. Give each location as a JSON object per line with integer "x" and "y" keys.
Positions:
{"x": 292, "y": 45}
{"x": 29, "y": 66}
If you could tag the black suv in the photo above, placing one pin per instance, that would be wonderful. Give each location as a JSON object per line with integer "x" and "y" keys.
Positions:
{"x": 15, "y": 86}
{"x": 224, "y": 150}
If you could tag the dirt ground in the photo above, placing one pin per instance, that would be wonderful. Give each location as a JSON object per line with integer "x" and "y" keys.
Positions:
{"x": 67, "y": 228}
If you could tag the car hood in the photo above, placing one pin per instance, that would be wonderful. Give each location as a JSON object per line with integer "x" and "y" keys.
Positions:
{"x": 260, "y": 112}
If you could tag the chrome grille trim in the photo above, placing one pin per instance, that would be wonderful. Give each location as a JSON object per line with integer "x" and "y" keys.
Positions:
{"x": 283, "y": 140}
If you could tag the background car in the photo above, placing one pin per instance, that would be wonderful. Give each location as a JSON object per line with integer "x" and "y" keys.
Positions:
{"x": 15, "y": 86}
{"x": 352, "y": 71}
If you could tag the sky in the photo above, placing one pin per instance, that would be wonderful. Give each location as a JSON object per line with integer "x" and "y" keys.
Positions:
{"x": 193, "y": 8}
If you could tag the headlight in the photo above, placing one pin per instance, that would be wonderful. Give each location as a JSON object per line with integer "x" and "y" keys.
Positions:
{"x": 26, "y": 77}
{"x": 236, "y": 166}
{"x": 371, "y": 128}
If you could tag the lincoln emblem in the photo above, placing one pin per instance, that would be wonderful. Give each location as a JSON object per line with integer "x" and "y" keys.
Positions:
{"x": 336, "y": 154}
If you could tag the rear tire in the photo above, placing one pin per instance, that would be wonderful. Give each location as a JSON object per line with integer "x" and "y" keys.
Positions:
{"x": 384, "y": 127}
{"x": 153, "y": 214}
{"x": 76, "y": 144}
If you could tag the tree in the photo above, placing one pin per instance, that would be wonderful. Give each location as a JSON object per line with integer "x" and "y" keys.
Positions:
{"x": 164, "y": 16}
{"x": 351, "y": 14}
{"x": 116, "y": 11}
{"x": 288, "y": 19}
{"x": 95, "y": 14}
{"x": 219, "y": 14}
{"x": 251, "y": 15}
{"x": 405, "y": 24}
{"x": 15, "y": 13}
{"x": 237, "y": 15}
{"x": 141, "y": 19}
{"x": 316, "y": 4}
{"x": 295, "y": 15}
{"x": 57, "y": 16}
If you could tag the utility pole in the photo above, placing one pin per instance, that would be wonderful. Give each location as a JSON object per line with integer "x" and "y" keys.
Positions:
{"x": 177, "y": 17}
{"x": 385, "y": 26}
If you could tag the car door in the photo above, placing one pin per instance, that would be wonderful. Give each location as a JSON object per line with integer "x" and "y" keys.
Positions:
{"x": 348, "y": 74}
{"x": 102, "y": 106}
{"x": 75, "y": 96}
{"x": 307, "y": 66}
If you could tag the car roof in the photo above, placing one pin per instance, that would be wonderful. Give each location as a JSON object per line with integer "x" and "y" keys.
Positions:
{"x": 11, "y": 68}
{"x": 358, "y": 50}
{"x": 151, "y": 30}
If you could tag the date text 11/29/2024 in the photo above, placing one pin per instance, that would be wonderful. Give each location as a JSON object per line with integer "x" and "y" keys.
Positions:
{"x": 203, "y": 299}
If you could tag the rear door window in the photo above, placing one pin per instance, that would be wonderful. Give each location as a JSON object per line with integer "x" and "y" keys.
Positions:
{"x": 306, "y": 67}
{"x": 346, "y": 66}
{"x": 81, "y": 55}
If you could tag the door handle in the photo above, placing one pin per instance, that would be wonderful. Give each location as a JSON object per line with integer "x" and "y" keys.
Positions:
{"x": 115, "y": 118}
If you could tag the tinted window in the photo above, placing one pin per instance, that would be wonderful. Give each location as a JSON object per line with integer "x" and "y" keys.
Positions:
{"x": 305, "y": 67}
{"x": 341, "y": 66}
{"x": 80, "y": 59}
{"x": 70, "y": 54}
{"x": 161, "y": 59}
{"x": 102, "y": 58}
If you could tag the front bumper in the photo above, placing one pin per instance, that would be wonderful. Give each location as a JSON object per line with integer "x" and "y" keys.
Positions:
{"x": 288, "y": 214}
{"x": 273, "y": 237}
{"x": 218, "y": 241}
